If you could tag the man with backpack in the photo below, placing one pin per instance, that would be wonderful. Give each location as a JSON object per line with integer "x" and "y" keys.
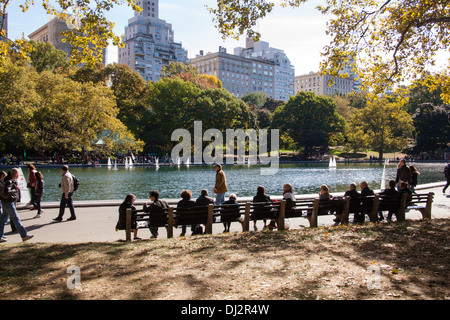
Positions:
{"x": 68, "y": 186}
{"x": 447, "y": 176}
{"x": 10, "y": 194}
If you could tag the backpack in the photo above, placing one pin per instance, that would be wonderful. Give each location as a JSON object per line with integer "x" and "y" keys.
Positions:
{"x": 76, "y": 183}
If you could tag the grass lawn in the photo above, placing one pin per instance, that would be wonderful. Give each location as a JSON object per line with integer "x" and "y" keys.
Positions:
{"x": 411, "y": 259}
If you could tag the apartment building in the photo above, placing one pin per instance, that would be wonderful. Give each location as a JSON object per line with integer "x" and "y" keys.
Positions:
{"x": 284, "y": 71}
{"x": 149, "y": 42}
{"x": 314, "y": 82}
{"x": 256, "y": 68}
{"x": 51, "y": 32}
{"x": 239, "y": 75}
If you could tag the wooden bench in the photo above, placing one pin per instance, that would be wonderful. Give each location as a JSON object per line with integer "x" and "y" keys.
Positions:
{"x": 193, "y": 216}
{"x": 312, "y": 208}
{"x": 404, "y": 203}
{"x": 420, "y": 202}
{"x": 423, "y": 203}
{"x": 170, "y": 218}
{"x": 156, "y": 220}
{"x": 230, "y": 213}
{"x": 369, "y": 204}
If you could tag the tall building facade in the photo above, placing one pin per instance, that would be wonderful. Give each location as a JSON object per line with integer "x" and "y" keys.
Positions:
{"x": 239, "y": 75}
{"x": 314, "y": 82}
{"x": 51, "y": 32}
{"x": 256, "y": 68}
{"x": 320, "y": 84}
{"x": 149, "y": 42}
{"x": 284, "y": 71}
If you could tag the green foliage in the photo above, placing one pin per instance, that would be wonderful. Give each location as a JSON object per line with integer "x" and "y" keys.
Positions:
{"x": 235, "y": 18}
{"x": 310, "y": 120}
{"x": 255, "y": 99}
{"x": 176, "y": 103}
{"x": 382, "y": 126}
{"x": 44, "y": 56}
{"x": 432, "y": 127}
{"x": 89, "y": 28}
{"x": 47, "y": 112}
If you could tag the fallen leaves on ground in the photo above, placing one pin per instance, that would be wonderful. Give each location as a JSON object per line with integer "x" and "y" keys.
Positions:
{"x": 407, "y": 260}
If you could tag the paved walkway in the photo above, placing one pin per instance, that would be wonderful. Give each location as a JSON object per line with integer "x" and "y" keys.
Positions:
{"x": 97, "y": 224}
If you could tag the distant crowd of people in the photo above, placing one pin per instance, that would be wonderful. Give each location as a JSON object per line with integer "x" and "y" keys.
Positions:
{"x": 406, "y": 181}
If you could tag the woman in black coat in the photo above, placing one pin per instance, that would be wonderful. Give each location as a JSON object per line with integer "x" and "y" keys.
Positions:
{"x": 122, "y": 223}
{"x": 38, "y": 193}
{"x": 261, "y": 210}
{"x": 186, "y": 202}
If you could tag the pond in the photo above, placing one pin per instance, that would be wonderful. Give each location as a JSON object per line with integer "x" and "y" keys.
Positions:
{"x": 103, "y": 183}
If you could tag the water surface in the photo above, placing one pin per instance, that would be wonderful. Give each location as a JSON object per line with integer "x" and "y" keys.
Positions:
{"x": 102, "y": 183}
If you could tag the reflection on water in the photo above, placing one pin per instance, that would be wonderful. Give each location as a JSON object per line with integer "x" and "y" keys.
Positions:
{"x": 106, "y": 184}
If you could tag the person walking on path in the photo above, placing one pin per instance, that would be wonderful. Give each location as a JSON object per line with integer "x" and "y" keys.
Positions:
{"x": 403, "y": 174}
{"x": 11, "y": 194}
{"x": 221, "y": 184}
{"x": 38, "y": 193}
{"x": 447, "y": 176}
{"x": 2, "y": 179}
{"x": 32, "y": 183}
{"x": 66, "y": 199}
{"x": 414, "y": 177}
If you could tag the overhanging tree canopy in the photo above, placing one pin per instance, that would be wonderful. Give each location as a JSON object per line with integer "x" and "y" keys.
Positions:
{"x": 390, "y": 41}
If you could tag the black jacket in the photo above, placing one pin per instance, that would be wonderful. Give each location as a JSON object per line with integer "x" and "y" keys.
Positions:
{"x": 447, "y": 171}
{"x": 391, "y": 193}
{"x": 414, "y": 177}
{"x": 403, "y": 174}
{"x": 122, "y": 223}
{"x": 260, "y": 197}
{"x": 354, "y": 200}
{"x": 366, "y": 203}
{"x": 39, "y": 191}
{"x": 157, "y": 206}
{"x": 203, "y": 201}
{"x": 260, "y": 210}
{"x": 186, "y": 203}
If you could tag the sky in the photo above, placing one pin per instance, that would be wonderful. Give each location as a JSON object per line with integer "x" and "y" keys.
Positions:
{"x": 300, "y": 32}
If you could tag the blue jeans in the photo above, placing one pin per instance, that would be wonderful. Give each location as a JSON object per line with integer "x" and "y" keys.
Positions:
{"x": 220, "y": 198}
{"x": 9, "y": 209}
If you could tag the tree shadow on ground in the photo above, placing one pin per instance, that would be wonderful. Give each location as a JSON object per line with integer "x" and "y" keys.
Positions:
{"x": 297, "y": 264}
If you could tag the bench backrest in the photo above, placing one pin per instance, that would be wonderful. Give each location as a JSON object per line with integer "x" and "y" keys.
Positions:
{"x": 154, "y": 219}
{"x": 330, "y": 206}
{"x": 263, "y": 210}
{"x": 189, "y": 216}
{"x": 228, "y": 212}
